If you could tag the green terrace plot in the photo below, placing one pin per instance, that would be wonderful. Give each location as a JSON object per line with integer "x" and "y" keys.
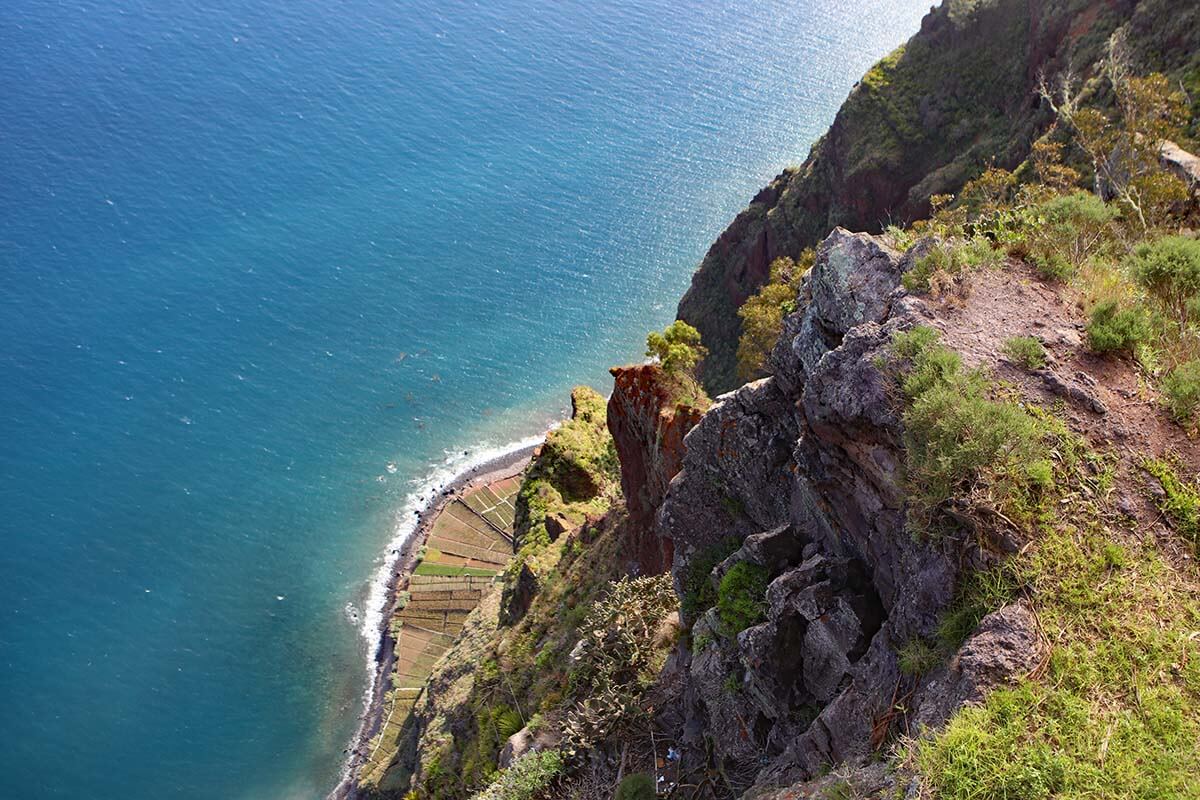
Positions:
{"x": 469, "y": 544}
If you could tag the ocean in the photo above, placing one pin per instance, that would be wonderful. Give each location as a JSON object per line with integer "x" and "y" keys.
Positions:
{"x": 270, "y": 270}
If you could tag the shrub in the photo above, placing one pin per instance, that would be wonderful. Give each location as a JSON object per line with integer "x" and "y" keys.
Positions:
{"x": 618, "y": 656}
{"x": 763, "y": 312}
{"x": 1074, "y": 227}
{"x": 1026, "y": 351}
{"x": 638, "y": 786}
{"x": 699, "y": 595}
{"x": 1181, "y": 391}
{"x": 527, "y": 779}
{"x": 1169, "y": 269}
{"x": 741, "y": 597}
{"x": 944, "y": 265}
{"x": 962, "y": 444}
{"x": 1113, "y": 329}
{"x": 918, "y": 280}
{"x": 1052, "y": 267}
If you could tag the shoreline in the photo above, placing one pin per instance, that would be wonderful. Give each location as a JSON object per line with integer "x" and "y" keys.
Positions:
{"x": 400, "y": 569}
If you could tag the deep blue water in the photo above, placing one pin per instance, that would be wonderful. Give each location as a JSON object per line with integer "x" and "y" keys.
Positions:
{"x": 252, "y": 251}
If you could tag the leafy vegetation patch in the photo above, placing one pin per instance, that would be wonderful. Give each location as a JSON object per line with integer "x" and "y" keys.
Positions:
{"x": 987, "y": 454}
{"x": 1180, "y": 500}
{"x": 699, "y": 594}
{"x": 527, "y": 778}
{"x": 763, "y": 312}
{"x": 1026, "y": 351}
{"x": 576, "y": 474}
{"x": 638, "y": 786}
{"x": 741, "y": 597}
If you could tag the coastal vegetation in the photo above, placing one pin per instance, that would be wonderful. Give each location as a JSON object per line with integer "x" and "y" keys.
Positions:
{"x": 678, "y": 350}
{"x": 763, "y": 312}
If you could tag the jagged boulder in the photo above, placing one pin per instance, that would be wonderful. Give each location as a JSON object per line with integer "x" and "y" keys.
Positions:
{"x": 1004, "y": 648}
{"x": 736, "y": 474}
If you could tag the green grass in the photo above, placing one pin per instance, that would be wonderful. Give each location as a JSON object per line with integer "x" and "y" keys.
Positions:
{"x": 946, "y": 262}
{"x": 527, "y": 779}
{"x": 918, "y": 657}
{"x": 428, "y": 568}
{"x": 1115, "y": 713}
{"x": 1180, "y": 500}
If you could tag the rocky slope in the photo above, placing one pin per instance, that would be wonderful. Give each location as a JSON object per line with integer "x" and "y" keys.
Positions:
{"x": 957, "y": 97}
{"x": 805, "y": 470}
{"x": 946, "y": 548}
{"x": 802, "y": 475}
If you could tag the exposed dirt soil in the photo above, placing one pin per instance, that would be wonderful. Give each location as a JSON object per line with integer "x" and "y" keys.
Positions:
{"x": 1103, "y": 399}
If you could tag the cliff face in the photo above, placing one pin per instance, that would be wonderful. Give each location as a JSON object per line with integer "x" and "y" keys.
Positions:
{"x": 911, "y": 561}
{"x": 647, "y": 427}
{"x": 956, "y": 98}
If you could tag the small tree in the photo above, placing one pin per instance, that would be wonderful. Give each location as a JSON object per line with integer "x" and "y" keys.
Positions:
{"x": 1124, "y": 149}
{"x": 1047, "y": 159}
{"x": 677, "y": 348}
{"x": 1169, "y": 269}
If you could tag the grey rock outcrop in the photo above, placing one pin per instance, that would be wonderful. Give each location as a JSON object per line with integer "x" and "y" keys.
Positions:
{"x": 1004, "y": 647}
{"x": 804, "y": 469}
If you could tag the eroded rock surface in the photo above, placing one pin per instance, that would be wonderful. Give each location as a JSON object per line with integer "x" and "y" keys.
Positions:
{"x": 804, "y": 469}
{"x": 648, "y": 428}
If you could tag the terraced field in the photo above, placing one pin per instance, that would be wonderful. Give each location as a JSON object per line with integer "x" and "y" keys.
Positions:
{"x": 469, "y": 544}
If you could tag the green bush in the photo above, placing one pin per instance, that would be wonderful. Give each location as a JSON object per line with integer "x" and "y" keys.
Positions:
{"x": 1026, "y": 351}
{"x": 1072, "y": 228}
{"x": 960, "y": 443}
{"x": 638, "y": 786}
{"x": 1181, "y": 391}
{"x": 741, "y": 597}
{"x": 699, "y": 595}
{"x": 1052, "y": 267}
{"x": 763, "y": 312}
{"x": 1169, "y": 269}
{"x": 527, "y": 779}
{"x": 1113, "y": 329}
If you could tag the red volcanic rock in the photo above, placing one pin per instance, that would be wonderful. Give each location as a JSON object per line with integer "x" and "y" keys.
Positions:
{"x": 647, "y": 427}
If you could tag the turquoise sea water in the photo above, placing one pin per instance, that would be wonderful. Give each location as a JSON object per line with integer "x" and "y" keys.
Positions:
{"x": 254, "y": 251}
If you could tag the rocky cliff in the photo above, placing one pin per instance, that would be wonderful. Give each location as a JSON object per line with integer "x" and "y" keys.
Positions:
{"x": 959, "y": 96}
{"x": 804, "y": 471}
{"x": 946, "y": 548}
{"x": 647, "y": 425}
